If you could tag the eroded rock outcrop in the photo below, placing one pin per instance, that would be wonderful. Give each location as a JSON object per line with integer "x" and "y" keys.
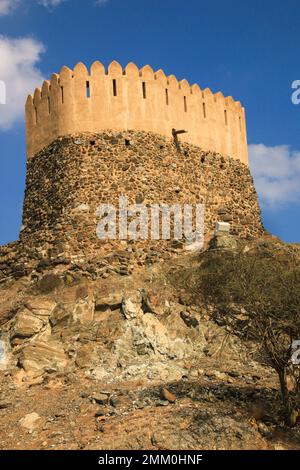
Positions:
{"x": 113, "y": 336}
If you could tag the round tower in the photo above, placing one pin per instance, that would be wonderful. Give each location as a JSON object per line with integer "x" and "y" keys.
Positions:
{"x": 131, "y": 99}
{"x": 95, "y": 136}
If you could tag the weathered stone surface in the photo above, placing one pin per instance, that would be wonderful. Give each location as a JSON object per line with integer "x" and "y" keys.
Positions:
{"x": 87, "y": 356}
{"x": 26, "y": 325}
{"x": 145, "y": 335}
{"x": 118, "y": 344}
{"x": 84, "y": 309}
{"x": 101, "y": 398}
{"x": 3, "y": 354}
{"x": 225, "y": 242}
{"x": 154, "y": 303}
{"x": 155, "y": 336}
{"x": 132, "y": 305}
{"x": 30, "y": 421}
{"x": 112, "y": 301}
{"x": 5, "y": 404}
{"x": 41, "y": 307}
{"x": 139, "y": 112}
{"x": 39, "y": 355}
{"x": 61, "y": 315}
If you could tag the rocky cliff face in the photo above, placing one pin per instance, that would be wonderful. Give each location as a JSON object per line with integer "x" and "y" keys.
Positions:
{"x": 99, "y": 349}
{"x": 128, "y": 362}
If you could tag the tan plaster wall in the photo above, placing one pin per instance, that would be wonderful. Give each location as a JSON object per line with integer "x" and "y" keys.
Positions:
{"x": 61, "y": 107}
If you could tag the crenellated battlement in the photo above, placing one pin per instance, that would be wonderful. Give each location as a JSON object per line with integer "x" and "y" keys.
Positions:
{"x": 79, "y": 100}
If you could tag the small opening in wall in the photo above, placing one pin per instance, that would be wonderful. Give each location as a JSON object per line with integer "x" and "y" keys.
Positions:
{"x": 240, "y": 123}
{"x": 62, "y": 94}
{"x": 167, "y": 97}
{"x": 114, "y": 87}
{"x": 204, "y": 110}
{"x": 202, "y": 159}
{"x": 225, "y": 116}
{"x": 127, "y": 142}
{"x": 185, "y": 104}
{"x": 144, "y": 90}
{"x": 92, "y": 142}
{"x": 88, "y": 90}
{"x": 49, "y": 106}
{"x": 222, "y": 166}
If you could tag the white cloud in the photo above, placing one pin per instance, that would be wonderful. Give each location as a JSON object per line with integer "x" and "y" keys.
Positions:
{"x": 19, "y": 71}
{"x": 55, "y": 3}
{"x": 50, "y": 3}
{"x": 7, "y": 6}
{"x": 276, "y": 173}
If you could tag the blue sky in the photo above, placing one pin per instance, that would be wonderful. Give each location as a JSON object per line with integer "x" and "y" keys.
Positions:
{"x": 249, "y": 49}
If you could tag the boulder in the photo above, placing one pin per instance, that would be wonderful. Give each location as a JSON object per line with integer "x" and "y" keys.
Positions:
{"x": 101, "y": 398}
{"x": 40, "y": 306}
{"x": 26, "y": 325}
{"x": 42, "y": 355}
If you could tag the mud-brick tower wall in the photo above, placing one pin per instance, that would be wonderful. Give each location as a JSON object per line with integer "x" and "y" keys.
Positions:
{"x": 95, "y": 135}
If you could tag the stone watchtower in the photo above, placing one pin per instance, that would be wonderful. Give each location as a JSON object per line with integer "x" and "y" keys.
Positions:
{"x": 95, "y": 135}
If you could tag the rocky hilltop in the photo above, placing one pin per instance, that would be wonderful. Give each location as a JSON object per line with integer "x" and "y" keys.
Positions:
{"x": 130, "y": 361}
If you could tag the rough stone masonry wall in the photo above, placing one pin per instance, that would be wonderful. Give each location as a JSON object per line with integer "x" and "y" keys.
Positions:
{"x": 68, "y": 180}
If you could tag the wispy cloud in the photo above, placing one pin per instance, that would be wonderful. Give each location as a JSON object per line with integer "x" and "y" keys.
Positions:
{"x": 55, "y": 3}
{"x": 7, "y": 6}
{"x": 276, "y": 173}
{"x": 51, "y": 3}
{"x": 19, "y": 70}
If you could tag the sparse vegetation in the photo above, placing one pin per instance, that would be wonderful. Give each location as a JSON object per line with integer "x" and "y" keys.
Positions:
{"x": 265, "y": 286}
{"x": 49, "y": 283}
